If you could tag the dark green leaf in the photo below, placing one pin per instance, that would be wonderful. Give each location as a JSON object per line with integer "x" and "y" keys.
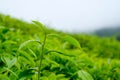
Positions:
{"x": 8, "y": 61}
{"x": 28, "y": 73}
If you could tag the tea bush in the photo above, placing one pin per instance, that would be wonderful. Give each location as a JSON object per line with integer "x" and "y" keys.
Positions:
{"x": 61, "y": 57}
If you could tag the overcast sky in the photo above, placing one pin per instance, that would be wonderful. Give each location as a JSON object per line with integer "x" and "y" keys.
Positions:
{"x": 66, "y": 15}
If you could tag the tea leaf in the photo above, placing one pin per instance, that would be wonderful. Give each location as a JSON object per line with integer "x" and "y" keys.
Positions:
{"x": 72, "y": 41}
{"x": 28, "y": 73}
{"x": 27, "y": 42}
{"x": 28, "y": 57}
{"x": 3, "y": 77}
{"x": 12, "y": 72}
{"x": 52, "y": 76}
{"x": 8, "y": 61}
{"x": 12, "y": 62}
{"x": 84, "y": 75}
{"x": 54, "y": 35}
{"x": 67, "y": 38}
{"x": 39, "y": 24}
{"x": 32, "y": 53}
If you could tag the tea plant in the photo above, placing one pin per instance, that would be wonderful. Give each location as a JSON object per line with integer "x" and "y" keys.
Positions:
{"x": 33, "y": 52}
{"x": 65, "y": 38}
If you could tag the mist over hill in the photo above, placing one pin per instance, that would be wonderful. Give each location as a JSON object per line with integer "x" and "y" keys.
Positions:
{"x": 108, "y": 32}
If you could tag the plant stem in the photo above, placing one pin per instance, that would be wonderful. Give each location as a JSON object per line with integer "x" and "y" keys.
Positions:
{"x": 41, "y": 57}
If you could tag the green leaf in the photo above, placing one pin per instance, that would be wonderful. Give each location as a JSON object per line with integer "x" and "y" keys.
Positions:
{"x": 32, "y": 53}
{"x": 38, "y": 23}
{"x": 12, "y": 72}
{"x": 12, "y": 62}
{"x": 41, "y": 26}
{"x": 28, "y": 73}
{"x": 28, "y": 57}
{"x": 61, "y": 76}
{"x": 84, "y": 75}
{"x": 2, "y": 27}
{"x": 44, "y": 78}
{"x": 53, "y": 63}
{"x": 52, "y": 76}
{"x": 9, "y": 42}
{"x": 3, "y": 77}
{"x": 26, "y": 42}
{"x": 23, "y": 60}
{"x": 8, "y": 61}
{"x": 54, "y": 35}
{"x": 5, "y": 30}
{"x": 5, "y": 60}
{"x": 67, "y": 38}
{"x": 72, "y": 41}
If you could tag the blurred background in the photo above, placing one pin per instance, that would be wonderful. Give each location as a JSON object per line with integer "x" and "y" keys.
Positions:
{"x": 101, "y": 17}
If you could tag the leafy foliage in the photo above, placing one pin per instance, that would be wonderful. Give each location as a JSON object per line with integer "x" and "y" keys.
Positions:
{"x": 75, "y": 57}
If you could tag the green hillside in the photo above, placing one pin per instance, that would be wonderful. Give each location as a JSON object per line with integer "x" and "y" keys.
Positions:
{"x": 31, "y": 51}
{"x": 109, "y": 32}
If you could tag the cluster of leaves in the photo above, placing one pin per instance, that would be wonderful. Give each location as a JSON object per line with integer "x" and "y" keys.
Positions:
{"x": 63, "y": 57}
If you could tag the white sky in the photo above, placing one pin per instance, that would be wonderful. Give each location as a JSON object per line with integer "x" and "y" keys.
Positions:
{"x": 66, "y": 15}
